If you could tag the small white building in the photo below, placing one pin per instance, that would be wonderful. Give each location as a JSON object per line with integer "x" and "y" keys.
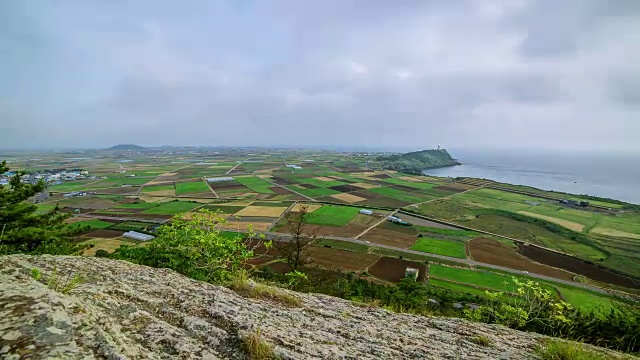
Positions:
{"x": 366, "y": 212}
{"x": 138, "y": 236}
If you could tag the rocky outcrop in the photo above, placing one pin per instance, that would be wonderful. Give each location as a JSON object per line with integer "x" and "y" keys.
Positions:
{"x": 121, "y": 310}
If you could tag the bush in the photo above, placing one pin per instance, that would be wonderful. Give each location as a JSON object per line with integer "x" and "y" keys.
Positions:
{"x": 102, "y": 253}
{"x": 562, "y": 350}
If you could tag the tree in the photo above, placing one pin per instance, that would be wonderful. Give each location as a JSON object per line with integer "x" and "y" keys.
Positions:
{"x": 295, "y": 249}
{"x": 194, "y": 246}
{"x": 22, "y": 230}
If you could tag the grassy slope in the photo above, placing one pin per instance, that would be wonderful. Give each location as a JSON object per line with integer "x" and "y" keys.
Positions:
{"x": 441, "y": 247}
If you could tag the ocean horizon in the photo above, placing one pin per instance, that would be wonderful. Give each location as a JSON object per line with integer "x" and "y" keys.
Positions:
{"x": 608, "y": 175}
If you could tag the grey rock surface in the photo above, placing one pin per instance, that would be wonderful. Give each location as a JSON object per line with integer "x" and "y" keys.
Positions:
{"x": 127, "y": 311}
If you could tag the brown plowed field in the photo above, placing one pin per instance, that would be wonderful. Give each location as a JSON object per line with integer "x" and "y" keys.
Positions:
{"x": 103, "y": 233}
{"x": 391, "y": 238}
{"x": 281, "y": 181}
{"x": 577, "y": 266}
{"x": 341, "y": 259}
{"x": 494, "y": 252}
{"x": 345, "y": 188}
{"x": 381, "y": 176}
{"x": 392, "y": 269}
{"x": 342, "y": 231}
{"x": 280, "y": 190}
{"x": 403, "y": 188}
{"x": 308, "y": 186}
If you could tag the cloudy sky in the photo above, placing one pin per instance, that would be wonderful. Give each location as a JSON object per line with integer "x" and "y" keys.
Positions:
{"x": 371, "y": 73}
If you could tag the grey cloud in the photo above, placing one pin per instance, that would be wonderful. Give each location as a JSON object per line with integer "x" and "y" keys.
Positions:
{"x": 361, "y": 73}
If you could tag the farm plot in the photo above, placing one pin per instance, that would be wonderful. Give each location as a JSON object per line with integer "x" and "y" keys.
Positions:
{"x": 393, "y": 269}
{"x": 341, "y": 259}
{"x": 133, "y": 226}
{"x": 172, "y": 208}
{"x": 480, "y": 278}
{"x": 585, "y": 300}
{"x": 315, "y": 192}
{"x": 565, "y": 223}
{"x": 577, "y": 266}
{"x": 256, "y": 184}
{"x": 109, "y": 245}
{"x": 310, "y": 207}
{"x": 224, "y": 209}
{"x": 192, "y": 187}
{"x": 397, "y": 239}
{"x": 90, "y": 224}
{"x": 493, "y": 252}
{"x": 332, "y": 215}
{"x": 263, "y": 211}
{"x": 159, "y": 190}
{"x": 397, "y": 194}
{"x": 348, "y": 198}
{"x": 441, "y": 247}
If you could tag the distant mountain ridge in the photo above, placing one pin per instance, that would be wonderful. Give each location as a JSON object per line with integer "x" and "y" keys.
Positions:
{"x": 127, "y": 147}
{"x": 417, "y": 161}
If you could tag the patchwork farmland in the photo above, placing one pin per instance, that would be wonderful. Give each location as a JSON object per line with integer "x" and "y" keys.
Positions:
{"x": 257, "y": 189}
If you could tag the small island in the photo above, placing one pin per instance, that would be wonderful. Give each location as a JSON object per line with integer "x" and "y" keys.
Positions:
{"x": 417, "y": 161}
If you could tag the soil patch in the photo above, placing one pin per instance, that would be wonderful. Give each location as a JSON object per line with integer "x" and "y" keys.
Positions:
{"x": 308, "y": 186}
{"x": 393, "y": 269}
{"x": 402, "y": 187}
{"x": 349, "y": 198}
{"x": 363, "y": 185}
{"x": 345, "y": 188}
{"x": 280, "y": 190}
{"x": 390, "y": 237}
{"x": 341, "y": 259}
{"x": 104, "y": 233}
{"x": 310, "y": 207}
{"x": 264, "y": 211}
{"x": 577, "y": 266}
{"x": 129, "y": 190}
{"x": 380, "y": 176}
{"x": 491, "y": 251}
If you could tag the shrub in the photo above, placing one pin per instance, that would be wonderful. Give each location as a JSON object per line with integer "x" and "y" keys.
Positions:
{"x": 256, "y": 348}
{"x": 102, "y": 253}
{"x": 481, "y": 340}
{"x": 563, "y": 350}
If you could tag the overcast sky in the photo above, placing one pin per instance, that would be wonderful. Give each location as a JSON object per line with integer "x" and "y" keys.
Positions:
{"x": 388, "y": 74}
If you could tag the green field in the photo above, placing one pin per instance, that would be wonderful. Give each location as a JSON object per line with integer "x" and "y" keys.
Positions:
{"x": 440, "y": 247}
{"x": 320, "y": 183}
{"x": 191, "y": 187}
{"x": 397, "y": 194}
{"x": 172, "y": 208}
{"x": 256, "y": 184}
{"x": 137, "y": 206}
{"x": 585, "y": 300}
{"x": 418, "y": 185}
{"x": 92, "y": 224}
{"x": 131, "y": 226}
{"x": 224, "y": 209}
{"x": 317, "y": 192}
{"x": 462, "y": 288}
{"x": 483, "y": 279}
{"x": 158, "y": 188}
{"x": 332, "y": 215}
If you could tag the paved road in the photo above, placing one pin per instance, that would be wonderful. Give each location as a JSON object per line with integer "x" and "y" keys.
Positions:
{"x": 280, "y": 236}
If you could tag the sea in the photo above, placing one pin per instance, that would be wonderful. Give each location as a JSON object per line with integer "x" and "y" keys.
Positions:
{"x": 609, "y": 175}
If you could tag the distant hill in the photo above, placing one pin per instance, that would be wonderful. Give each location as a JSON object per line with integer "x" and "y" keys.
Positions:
{"x": 126, "y": 147}
{"x": 415, "y": 162}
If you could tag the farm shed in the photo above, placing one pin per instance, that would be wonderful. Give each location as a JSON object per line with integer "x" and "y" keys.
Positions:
{"x": 366, "y": 212}
{"x": 220, "y": 179}
{"x": 138, "y": 236}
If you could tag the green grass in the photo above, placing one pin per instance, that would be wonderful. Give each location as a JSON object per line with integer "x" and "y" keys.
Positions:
{"x": 331, "y": 215}
{"x": 256, "y": 184}
{"x": 460, "y": 233}
{"x": 320, "y": 183}
{"x": 224, "y": 209}
{"x": 479, "y": 278}
{"x": 565, "y": 350}
{"x": 93, "y": 224}
{"x": 44, "y": 208}
{"x": 131, "y": 226}
{"x": 397, "y": 194}
{"x": 317, "y": 192}
{"x": 414, "y": 184}
{"x": 440, "y": 247}
{"x": 137, "y": 206}
{"x": 345, "y": 245}
{"x": 585, "y": 300}
{"x": 158, "y": 188}
{"x": 172, "y": 208}
{"x": 457, "y": 287}
{"x": 191, "y": 187}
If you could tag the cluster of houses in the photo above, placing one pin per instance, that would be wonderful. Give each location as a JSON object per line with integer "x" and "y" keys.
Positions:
{"x": 52, "y": 177}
